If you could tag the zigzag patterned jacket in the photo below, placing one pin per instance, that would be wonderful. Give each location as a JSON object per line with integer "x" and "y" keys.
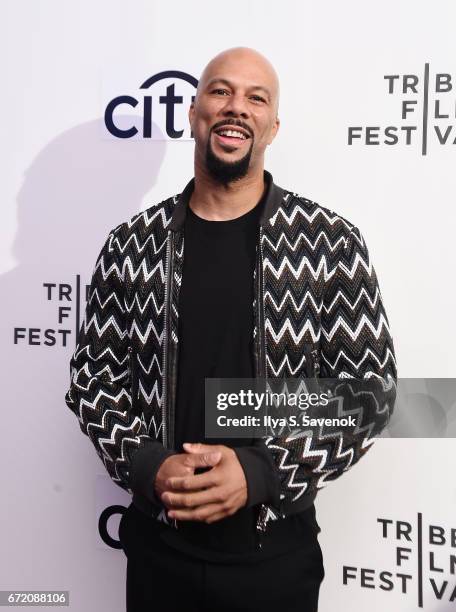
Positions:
{"x": 318, "y": 312}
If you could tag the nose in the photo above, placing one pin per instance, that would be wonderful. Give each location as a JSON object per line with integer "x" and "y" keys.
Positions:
{"x": 236, "y": 106}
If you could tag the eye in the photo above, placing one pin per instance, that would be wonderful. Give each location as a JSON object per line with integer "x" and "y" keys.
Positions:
{"x": 258, "y": 98}
{"x": 218, "y": 90}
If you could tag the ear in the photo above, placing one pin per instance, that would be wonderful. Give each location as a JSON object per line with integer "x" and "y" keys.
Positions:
{"x": 274, "y": 129}
{"x": 191, "y": 113}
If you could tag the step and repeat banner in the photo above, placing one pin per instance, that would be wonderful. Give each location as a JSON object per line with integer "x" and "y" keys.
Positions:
{"x": 95, "y": 129}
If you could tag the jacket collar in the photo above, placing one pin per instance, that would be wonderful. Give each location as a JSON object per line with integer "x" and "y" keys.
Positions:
{"x": 274, "y": 196}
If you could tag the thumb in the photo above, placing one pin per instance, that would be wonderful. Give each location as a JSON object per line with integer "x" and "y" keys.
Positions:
{"x": 209, "y": 459}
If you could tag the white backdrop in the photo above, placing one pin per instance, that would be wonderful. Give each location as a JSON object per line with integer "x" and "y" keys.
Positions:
{"x": 67, "y": 181}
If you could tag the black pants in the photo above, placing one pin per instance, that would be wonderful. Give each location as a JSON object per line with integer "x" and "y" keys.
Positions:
{"x": 162, "y": 579}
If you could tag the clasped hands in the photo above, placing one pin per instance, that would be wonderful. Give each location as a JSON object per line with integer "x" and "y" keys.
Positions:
{"x": 209, "y": 496}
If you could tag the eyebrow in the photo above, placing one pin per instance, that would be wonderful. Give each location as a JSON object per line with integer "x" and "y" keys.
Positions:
{"x": 226, "y": 82}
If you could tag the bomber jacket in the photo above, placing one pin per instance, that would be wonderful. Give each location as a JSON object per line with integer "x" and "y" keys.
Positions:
{"x": 318, "y": 312}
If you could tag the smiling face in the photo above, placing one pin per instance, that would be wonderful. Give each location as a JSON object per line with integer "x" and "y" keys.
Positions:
{"x": 234, "y": 115}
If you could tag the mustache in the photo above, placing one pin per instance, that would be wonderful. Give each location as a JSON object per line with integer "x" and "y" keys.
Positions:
{"x": 233, "y": 122}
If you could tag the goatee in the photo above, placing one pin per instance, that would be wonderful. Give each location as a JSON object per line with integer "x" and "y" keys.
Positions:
{"x": 226, "y": 172}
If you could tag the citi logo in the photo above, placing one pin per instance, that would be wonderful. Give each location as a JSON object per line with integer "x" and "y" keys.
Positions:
{"x": 161, "y": 105}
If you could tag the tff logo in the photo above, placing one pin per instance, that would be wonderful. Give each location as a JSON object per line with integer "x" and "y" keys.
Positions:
{"x": 161, "y": 104}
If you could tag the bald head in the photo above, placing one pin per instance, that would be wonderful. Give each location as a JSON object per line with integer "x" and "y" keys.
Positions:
{"x": 238, "y": 88}
{"x": 255, "y": 65}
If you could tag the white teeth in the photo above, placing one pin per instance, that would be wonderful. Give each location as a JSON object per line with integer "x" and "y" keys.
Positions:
{"x": 233, "y": 133}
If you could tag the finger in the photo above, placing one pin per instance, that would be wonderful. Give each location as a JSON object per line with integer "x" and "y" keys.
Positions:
{"x": 202, "y": 513}
{"x": 195, "y": 482}
{"x": 199, "y": 447}
{"x": 203, "y": 459}
{"x": 193, "y": 500}
{"x": 218, "y": 516}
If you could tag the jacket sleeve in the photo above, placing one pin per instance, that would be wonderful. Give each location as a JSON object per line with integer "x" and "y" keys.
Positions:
{"x": 355, "y": 343}
{"x": 100, "y": 382}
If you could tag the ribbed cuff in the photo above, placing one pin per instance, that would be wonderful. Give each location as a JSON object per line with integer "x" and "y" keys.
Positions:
{"x": 144, "y": 467}
{"x": 263, "y": 483}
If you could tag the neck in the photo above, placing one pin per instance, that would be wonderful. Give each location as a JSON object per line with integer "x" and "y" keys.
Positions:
{"x": 214, "y": 201}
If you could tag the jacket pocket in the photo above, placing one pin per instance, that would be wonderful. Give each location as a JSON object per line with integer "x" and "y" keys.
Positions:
{"x": 134, "y": 386}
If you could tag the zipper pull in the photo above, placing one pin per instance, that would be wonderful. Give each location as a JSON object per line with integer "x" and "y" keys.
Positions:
{"x": 259, "y": 544}
{"x": 316, "y": 363}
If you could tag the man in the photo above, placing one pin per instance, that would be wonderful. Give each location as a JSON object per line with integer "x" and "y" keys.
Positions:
{"x": 234, "y": 277}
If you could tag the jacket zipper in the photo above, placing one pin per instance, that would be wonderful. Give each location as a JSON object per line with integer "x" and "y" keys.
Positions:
{"x": 260, "y": 302}
{"x": 261, "y": 348}
{"x": 169, "y": 372}
{"x": 165, "y": 344}
{"x": 172, "y": 356}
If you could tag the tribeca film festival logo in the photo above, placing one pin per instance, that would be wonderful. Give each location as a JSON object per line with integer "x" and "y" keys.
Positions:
{"x": 427, "y": 107}
{"x": 67, "y": 301}
{"x": 162, "y": 100}
{"x": 420, "y": 555}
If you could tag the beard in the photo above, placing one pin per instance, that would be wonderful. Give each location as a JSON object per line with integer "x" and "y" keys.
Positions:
{"x": 226, "y": 172}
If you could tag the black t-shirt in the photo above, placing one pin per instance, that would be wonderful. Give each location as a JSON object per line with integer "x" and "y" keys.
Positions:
{"x": 215, "y": 341}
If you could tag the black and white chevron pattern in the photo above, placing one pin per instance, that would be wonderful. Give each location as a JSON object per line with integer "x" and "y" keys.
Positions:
{"x": 116, "y": 386}
{"x": 321, "y": 294}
